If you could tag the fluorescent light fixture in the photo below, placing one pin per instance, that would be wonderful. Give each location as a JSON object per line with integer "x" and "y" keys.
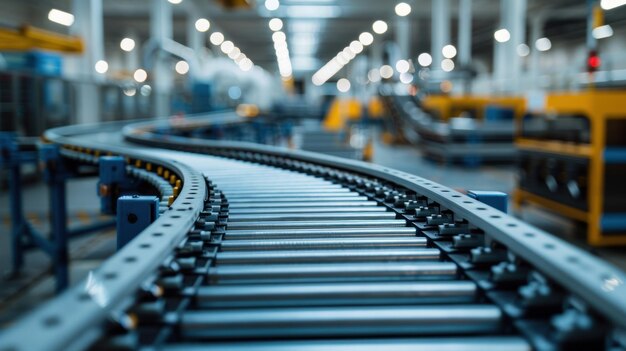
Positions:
{"x": 127, "y": 44}
{"x": 402, "y": 66}
{"x": 379, "y": 27}
{"x": 386, "y": 71}
{"x": 305, "y": 26}
{"x": 543, "y": 44}
{"x": 140, "y": 75}
{"x": 175, "y": 2}
{"x": 216, "y": 38}
{"x": 447, "y": 65}
{"x": 182, "y": 67}
{"x": 227, "y": 47}
{"x": 234, "y": 53}
{"x": 406, "y": 78}
{"x": 448, "y": 51}
{"x": 424, "y": 59}
{"x": 203, "y": 25}
{"x": 343, "y": 85}
{"x": 502, "y": 35}
{"x": 279, "y": 36}
{"x": 523, "y": 50}
{"x": 61, "y": 17}
{"x": 309, "y": 11}
{"x": 366, "y": 38}
{"x": 356, "y": 47}
{"x": 403, "y": 9}
{"x": 611, "y": 4}
{"x": 602, "y": 32}
{"x": 373, "y": 75}
{"x": 276, "y": 24}
{"x": 272, "y": 5}
{"x": 101, "y": 66}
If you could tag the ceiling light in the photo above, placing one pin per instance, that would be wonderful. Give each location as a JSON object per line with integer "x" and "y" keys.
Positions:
{"x": 543, "y": 44}
{"x": 272, "y": 4}
{"x": 373, "y": 75}
{"x": 227, "y": 47}
{"x": 447, "y": 65}
{"x": 424, "y": 59}
{"x": 343, "y": 85}
{"x": 356, "y": 47}
{"x": 246, "y": 64}
{"x": 234, "y": 53}
{"x": 406, "y": 78}
{"x": 175, "y": 2}
{"x": 276, "y": 24}
{"x": 366, "y": 38}
{"x": 216, "y": 38}
{"x": 348, "y": 52}
{"x": 523, "y": 50}
{"x": 101, "y": 66}
{"x": 203, "y": 25}
{"x": 182, "y": 67}
{"x": 379, "y": 27}
{"x": 402, "y": 66}
{"x": 502, "y": 35}
{"x": 602, "y": 32}
{"x": 61, "y": 17}
{"x": 386, "y": 71}
{"x": 611, "y": 4}
{"x": 342, "y": 58}
{"x": 140, "y": 75}
{"x": 448, "y": 51}
{"x": 279, "y": 37}
{"x": 127, "y": 44}
{"x": 403, "y": 9}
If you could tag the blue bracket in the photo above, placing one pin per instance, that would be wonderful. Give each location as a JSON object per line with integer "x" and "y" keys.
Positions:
{"x": 495, "y": 199}
{"x": 112, "y": 179}
{"x": 134, "y": 214}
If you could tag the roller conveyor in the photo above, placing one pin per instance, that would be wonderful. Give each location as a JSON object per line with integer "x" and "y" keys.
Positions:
{"x": 267, "y": 249}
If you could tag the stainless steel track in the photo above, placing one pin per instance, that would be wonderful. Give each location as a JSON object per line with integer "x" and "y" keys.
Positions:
{"x": 298, "y": 252}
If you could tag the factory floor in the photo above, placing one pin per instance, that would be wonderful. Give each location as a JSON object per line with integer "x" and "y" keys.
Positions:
{"x": 35, "y": 285}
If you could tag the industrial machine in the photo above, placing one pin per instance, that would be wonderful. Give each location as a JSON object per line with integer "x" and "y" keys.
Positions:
{"x": 573, "y": 161}
{"x": 245, "y": 246}
{"x": 462, "y": 130}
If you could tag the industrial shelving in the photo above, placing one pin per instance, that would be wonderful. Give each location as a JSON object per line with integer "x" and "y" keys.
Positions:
{"x": 575, "y": 164}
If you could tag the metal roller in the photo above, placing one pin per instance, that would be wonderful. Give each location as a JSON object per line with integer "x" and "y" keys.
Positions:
{"x": 326, "y": 256}
{"x": 255, "y": 234}
{"x": 334, "y": 243}
{"x": 310, "y": 216}
{"x": 481, "y": 343}
{"x": 389, "y": 293}
{"x": 318, "y": 224}
{"x": 341, "y": 321}
{"x": 386, "y": 271}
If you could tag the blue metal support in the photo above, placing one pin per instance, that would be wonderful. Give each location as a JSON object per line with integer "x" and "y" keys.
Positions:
{"x": 55, "y": 175}
{"x": 113, "y": 180}
{"x": 134, "y": 214}
{"x": 495, "y": 199}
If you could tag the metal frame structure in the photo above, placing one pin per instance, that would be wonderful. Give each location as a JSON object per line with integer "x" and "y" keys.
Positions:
{"x": 111, "y": 289}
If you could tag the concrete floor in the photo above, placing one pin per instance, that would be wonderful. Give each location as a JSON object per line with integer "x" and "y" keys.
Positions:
{"x": 35, "y": 284}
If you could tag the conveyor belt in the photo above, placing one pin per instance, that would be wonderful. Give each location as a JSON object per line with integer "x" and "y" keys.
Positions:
{"x": 267, "y": 249}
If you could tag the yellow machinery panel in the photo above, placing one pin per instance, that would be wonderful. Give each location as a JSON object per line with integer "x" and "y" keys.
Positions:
{"x": 28, "y": 38}
{"x": 599, "y": 108}
{"x": 446, "y": 106}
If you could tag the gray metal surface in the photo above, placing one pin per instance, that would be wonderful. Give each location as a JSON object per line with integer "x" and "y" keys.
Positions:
{"x": 323, "y": 256}
{"x": 110, "y": 290}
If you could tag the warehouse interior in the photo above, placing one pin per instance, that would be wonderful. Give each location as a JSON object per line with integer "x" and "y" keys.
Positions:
{"x": 337, "y": 175}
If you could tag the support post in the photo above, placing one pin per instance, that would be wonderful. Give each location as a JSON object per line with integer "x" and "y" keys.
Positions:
{"x": 55, "y": 176}
{"x": 113, "y": 177}
{"x": 134, "y": 214}
{"x": 440, "y": 33}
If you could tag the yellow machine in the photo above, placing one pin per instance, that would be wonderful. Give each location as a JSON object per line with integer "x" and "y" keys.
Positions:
{"x": 602, "y": 152}
{"x": 445, "y": 106}
{"x": 28, "y": 38}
